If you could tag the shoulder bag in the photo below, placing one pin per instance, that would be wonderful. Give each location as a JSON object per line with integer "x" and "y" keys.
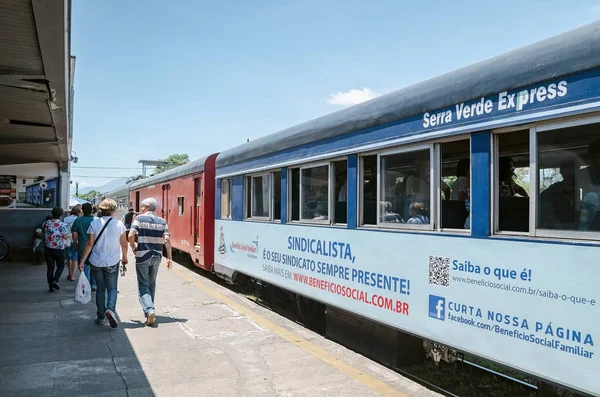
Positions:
{"x": 96, "y": 240}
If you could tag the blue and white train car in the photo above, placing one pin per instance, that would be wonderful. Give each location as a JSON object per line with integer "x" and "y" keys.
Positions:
{"x": 462, "y": 209}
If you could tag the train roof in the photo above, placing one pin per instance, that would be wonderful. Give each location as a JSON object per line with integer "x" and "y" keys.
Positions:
{"x": 122, "y": 190}
{"x": 571, "y": 52}
{"x": 187, "y": 169}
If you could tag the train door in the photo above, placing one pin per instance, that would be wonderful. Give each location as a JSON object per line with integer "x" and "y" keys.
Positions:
{"x": 165, "y": 202}
{"x": 137, "y": 201}
{"x": 197, "y": 230}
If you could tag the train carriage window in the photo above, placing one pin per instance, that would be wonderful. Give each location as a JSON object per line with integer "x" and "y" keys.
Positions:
{"x": 261, "y": 196}
{"x": 199, "y": 192}
{"x": 512, "y": 181}
{"x": 368, "y": 190}
{"x": 248, "y": 197}
{"x": 568, "y": 185}
{"x": 340, "y": 191}
{"x": 405, "y": 194}
{"x": 294, "y": 194}
{"x": 314, "y": 193}
{"x": 276, "y": 195}
{"x": 180, "y": 205}
{"x": 226, "y": 198}
{"x": 455, "y": 188}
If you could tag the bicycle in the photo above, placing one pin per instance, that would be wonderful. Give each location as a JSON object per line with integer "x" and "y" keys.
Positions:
{"x": 3, "y": 248}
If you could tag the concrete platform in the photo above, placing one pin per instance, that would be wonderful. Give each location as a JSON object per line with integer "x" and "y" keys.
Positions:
{"x": 208, "y": 341}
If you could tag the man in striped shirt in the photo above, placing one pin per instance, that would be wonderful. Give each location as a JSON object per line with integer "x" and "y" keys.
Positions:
{"x": 152, "y": 235}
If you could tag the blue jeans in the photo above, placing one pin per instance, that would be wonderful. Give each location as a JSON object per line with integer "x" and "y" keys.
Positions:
{"x": 89, "y": 275}
{"x": 146, "y": 277}
{"x": 106, "y": 281}
{"x": 72, "y": 253}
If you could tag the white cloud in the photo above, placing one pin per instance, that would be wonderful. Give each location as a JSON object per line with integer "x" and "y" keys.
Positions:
{"x": 352, "y": 97}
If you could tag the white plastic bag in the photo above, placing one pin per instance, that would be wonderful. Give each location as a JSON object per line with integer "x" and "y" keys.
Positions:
{"x": 83, "y": 293}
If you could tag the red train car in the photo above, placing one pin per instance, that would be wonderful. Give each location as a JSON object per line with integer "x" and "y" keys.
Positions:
{"x": 185, "y": 196}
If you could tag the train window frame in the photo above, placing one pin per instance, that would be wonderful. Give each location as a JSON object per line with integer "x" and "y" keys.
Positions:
{"x": 249, "y": 192}
{"x": 333, "y": 199}
{"x": 438, "y": 155}
{"x": 248, "y": 205}
{"x": 361, "y": 188}
{"x": 533, "y": 129}
{"x": 290, "y": 198}
{"x": 433, "y": 187}
{"x": 180, "y": 205}
{"x": 272, "y": 194}
{"x": 247, "y": 196}
{"x": 494, "y": 175}
{"x": 229, "y": 206}
{"x": 303, "y": 167}
{"x": 552, "y": 125}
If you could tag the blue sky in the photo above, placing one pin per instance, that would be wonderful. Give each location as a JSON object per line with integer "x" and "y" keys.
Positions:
{"x": 155, "y": 78}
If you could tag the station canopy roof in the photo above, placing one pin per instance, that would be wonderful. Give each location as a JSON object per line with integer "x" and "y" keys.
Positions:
{"x": 36, "y": 72}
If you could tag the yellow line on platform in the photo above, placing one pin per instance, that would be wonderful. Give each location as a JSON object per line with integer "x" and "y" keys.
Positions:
{"x": 371, "y": 382}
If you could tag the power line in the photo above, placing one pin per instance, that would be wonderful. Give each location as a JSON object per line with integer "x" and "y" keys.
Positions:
{"x": 94, "y": 176}
{"x": 119, "y": 144}
{"x": 109, "y": 168}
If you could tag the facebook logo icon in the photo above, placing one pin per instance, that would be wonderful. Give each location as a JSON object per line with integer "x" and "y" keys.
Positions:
{"x": 437, "y": 307}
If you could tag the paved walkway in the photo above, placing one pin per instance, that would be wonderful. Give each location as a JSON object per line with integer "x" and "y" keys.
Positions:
{"x": 208, "y": 341}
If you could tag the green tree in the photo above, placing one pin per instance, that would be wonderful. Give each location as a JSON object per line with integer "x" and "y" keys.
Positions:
{"x": 174, "y": 160}
{"x": 522, "y": 178}
{"x": 89, "y": 196}
{"x": 549, "y": 176}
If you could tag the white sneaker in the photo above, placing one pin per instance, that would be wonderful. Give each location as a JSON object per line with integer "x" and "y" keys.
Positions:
{"x": 112, "y": 318}
{"x": 150, "y": 319}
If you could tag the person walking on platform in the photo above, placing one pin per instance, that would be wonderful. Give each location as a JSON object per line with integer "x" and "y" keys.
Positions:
{"x": 80, "y": 237}
{"x": 105, "y": 245}
{"x": 55, "y": 236}
{"x": 152, "y": 234}
{"x": 71, "y": 251}
{"x": 128, "y": 220}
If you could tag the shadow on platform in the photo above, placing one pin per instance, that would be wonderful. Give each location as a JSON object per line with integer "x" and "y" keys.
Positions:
{"x": 52, "y": 347}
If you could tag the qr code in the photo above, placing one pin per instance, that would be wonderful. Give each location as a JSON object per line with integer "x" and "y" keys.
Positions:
{"x": 439, "y": 271}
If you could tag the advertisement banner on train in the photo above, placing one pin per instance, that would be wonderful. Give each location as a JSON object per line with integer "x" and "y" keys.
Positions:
{"x": 518, "y": 303}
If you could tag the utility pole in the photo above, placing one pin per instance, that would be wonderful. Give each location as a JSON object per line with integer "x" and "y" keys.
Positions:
{"x": 76, "y": 187}
{"x": 146, "y": 163}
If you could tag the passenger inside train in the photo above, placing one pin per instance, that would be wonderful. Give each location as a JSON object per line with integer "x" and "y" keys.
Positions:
{"x": 568, "y": 182}
{"x": 455, "y": 172}
{"x": 506, "y": 174}
{"x": 418, "y": 213}
{"x": 557, "y": 202}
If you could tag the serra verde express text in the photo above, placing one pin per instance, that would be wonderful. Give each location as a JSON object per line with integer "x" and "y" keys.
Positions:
{"x": 505, "y": 101}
